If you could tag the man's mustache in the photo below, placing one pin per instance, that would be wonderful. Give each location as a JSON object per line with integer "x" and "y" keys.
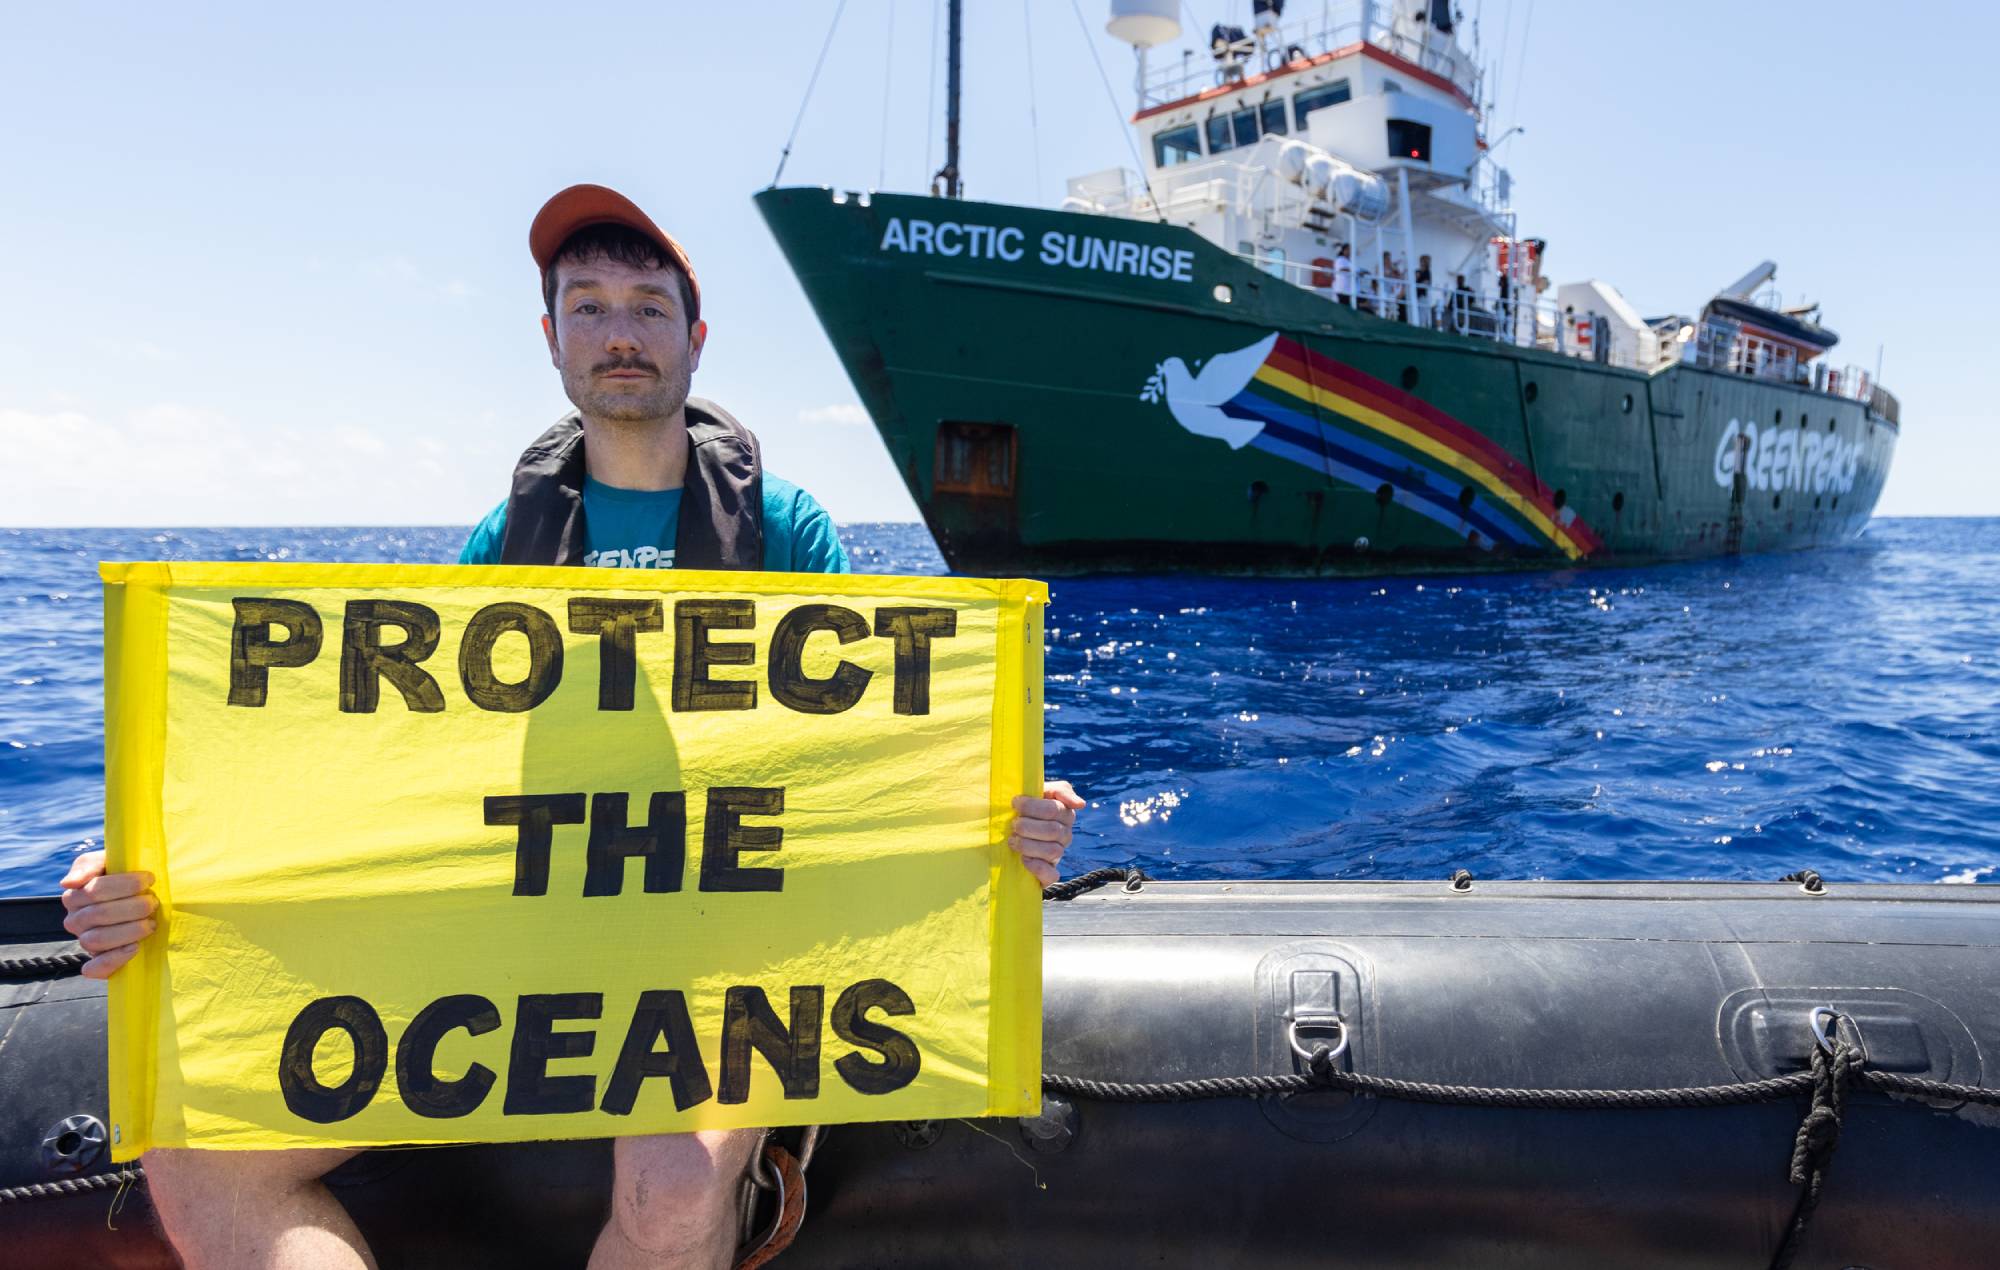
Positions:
{"x": 631, "y": 363}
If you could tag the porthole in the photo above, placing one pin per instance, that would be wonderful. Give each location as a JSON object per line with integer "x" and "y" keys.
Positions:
{"x": 1816, "y": 501}
{"x": 1223, "y": 295}
{"x": 1836, "y": 502}
{"x": 1829, "y": 425}
{"x": 1802, "y": 421}
{"x": 1465, "y": 497}
{"x": 1409, "y": 377}
{"x": 1384, "y": 493}
{"x": 1618, "y": 501}
{"x": 1774, "y": 501}
{"x": 1779, "y": 416}
{"x": 1257, "y": 491}
{"x": 1628, "y": 403}
{"x": 1562, "y": 496}
{"x": 1530, "y": 392}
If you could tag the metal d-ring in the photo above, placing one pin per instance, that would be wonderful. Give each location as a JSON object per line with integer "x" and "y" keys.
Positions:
{"x": 760, "y": 1174}
{"x": 778, "y": 1219}
{"x": 1822, "y": 1029}
{"x": 1331, "y": 1019}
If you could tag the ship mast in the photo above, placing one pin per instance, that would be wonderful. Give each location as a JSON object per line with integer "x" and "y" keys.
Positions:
{"x": 948, "y": 174}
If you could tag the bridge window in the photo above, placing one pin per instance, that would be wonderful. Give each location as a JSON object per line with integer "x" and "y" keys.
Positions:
{"x": 1409, "y": 140}
{"x": 1227, "y": 132}
{"x": 1176, "y": 145}
{"x": 1316, "y": 98}
{"x": 1243, "y": 127}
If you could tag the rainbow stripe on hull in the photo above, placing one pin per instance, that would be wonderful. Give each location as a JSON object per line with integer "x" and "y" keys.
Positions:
{"x": 1330, "y": 417}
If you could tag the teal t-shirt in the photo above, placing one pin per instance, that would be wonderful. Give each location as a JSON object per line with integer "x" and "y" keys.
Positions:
{"x": 634, "y": 529}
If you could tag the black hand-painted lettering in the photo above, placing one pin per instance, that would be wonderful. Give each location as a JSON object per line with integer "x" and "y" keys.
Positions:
{"x": 661, "y": 1015}
{"x": 531, "y": 1091}
{"x": 305, "y": 1094}
{"x": 724, "y": 837}
{"x": 252, "y": 651}
{"x": 913, "y": 630}
{"x": 537, "y": 815}
{"x": 475, "y": 658}
{"x": 662, "y": 841}
{"x": 749, "y": 1022}
{"x": 422, "y": 1091}
{"x": 694, "y": 654}
{"x": 616, "y": 623}
{"x": 900, "y": 1060}
{"x": 365, "y": 660}
{"x": 789, "y": 682}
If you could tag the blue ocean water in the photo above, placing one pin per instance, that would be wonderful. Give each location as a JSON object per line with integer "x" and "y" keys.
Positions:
{"x": 1835, "y": 709}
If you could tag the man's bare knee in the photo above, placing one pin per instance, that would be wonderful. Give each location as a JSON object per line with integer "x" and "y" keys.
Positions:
{"x": 677, "y": 1193}
{"x": 179, "y": 1170}
{"x": 195, "y": 1191}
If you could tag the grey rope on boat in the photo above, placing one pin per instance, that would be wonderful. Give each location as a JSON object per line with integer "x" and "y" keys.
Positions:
{"x": 1735, "y": 1095}
{"x": 1085, "y": 882}
{"x": 1818, "y": 1135}
{"x": 1178, "y": 1090}
{"x": 67, "y": 962}
{"x": 128, "y": 1176}
{"x": 1922, "y": 1087}
{"x": 1837, "y": 1066}
{"x": 1324, "y": 1076}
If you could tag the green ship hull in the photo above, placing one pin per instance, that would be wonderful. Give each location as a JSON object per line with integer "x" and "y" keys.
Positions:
{"x": 1070, "y": 393}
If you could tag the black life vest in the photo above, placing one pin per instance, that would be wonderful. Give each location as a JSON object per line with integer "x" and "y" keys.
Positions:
{"x": 722, "y": 496}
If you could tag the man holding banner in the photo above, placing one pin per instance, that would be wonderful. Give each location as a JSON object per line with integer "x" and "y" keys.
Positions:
{"x": 640, "y": 476}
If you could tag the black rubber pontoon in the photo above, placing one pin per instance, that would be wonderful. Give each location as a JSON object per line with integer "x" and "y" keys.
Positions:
{"x": 1530, "y": 985}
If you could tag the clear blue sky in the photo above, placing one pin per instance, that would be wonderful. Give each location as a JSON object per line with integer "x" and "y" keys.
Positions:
{"x": 267, "y": 263}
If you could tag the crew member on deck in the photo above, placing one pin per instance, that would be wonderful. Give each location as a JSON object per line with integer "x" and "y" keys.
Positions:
{"x": 1394, "y": 298}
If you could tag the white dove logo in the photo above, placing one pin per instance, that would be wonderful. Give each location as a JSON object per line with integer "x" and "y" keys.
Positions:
{"x": 1196, "y": 400}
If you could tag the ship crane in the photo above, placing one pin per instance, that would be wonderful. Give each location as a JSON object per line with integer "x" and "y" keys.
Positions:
{"x": 1750, "y": 283}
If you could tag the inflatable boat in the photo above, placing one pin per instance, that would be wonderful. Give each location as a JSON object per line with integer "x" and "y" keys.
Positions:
{"x": 1260, "y": 1073}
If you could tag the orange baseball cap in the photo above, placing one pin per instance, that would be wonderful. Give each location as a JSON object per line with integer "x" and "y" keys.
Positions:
{"x": 581, "y": 206}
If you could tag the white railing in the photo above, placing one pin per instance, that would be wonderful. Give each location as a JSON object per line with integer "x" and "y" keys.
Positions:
{"x": 1229, "y": 184}
{"x": 1340, "y": 24}
{"x": 1467, "y": 312}
{"x": 1722, "y": 346}
{"x": 1769, "y": 298}
{"x": 1490, "y": 187}
{"x": 1221, "y": 184}
{"x": 1540, "y": 324}
{"x": 1190, "y": 188}
{"x": 1718, "y": 346}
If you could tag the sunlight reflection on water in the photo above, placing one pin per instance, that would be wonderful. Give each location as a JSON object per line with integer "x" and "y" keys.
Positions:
{"x": 1838, "y": 710}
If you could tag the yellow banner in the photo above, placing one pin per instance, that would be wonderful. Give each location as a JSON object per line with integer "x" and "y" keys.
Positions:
{"x": 492, "y": 854}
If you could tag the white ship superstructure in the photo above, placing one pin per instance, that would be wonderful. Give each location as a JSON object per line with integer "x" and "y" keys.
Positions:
{"x": 1345, "y": 152}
